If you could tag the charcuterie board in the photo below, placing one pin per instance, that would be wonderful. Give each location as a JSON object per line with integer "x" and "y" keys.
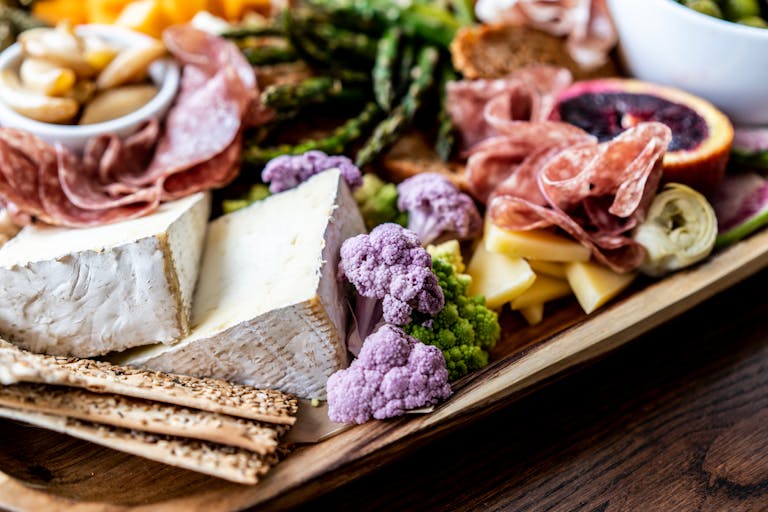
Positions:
{"x": 42, "y": 470}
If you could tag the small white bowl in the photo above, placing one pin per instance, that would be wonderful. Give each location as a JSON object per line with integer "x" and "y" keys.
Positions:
{"x": 163, "y": 72}
{"x": 664, "y": 42}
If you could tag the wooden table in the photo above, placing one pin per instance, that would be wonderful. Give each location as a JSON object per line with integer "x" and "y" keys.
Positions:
{"x": 674, "y": 421}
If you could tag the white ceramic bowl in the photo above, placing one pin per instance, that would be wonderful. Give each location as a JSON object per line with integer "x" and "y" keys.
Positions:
{"x": 664, "y": 42}
{"x": 163, "y": 72}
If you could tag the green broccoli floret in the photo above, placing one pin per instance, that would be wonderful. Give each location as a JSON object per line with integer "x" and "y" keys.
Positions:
{"x": 464, "y": 330}
{"x": 256, "y": 193}
{"x": 377, "y": 201}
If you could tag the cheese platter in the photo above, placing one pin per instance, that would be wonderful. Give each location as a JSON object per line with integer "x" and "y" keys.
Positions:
{"x": 308, "y": 261}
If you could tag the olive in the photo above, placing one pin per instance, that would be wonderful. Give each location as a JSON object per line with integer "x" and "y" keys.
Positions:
{"x": 738, "y": 9}
{"x": 708, "y": 7}
{"x": 753, "y": 21}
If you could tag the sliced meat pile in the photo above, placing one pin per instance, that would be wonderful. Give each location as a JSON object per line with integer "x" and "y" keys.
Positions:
{"x": 198, "y": 148}
{"x": 535, "y": 173}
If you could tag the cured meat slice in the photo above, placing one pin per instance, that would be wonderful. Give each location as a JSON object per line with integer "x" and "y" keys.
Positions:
{"x": 497, "y": 159}
{"x": 626, "y": 169}
{"x": 620, "y": 253}
{"x": 207, "y": 52}
{"x": 203, "y": 123}
{"x": 60, "y": 210}
{"x": 95, "y": 182}
{"x": 482, "y": 108}
{"x": 216, "y": 172}
{"x": 595, "y": 192}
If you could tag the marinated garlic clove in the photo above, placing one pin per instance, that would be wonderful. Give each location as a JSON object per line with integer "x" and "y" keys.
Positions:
{"x": 117, "y": 102}
{"x": 129, "y": 65}
{"x": 83, "y": 91}
{"x": 57, "y": 46}
{"x": 34, "y": 105}
{"x": 45, "y": 77}
{"x": 98, "y": 53}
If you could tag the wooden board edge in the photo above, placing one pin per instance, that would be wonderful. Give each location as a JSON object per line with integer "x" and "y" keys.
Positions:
{"x": 595, "y": 336}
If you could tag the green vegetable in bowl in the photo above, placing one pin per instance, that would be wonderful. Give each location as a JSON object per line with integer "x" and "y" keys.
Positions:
{"x": 708, "y": 7}
{"x": 746, "y": 12}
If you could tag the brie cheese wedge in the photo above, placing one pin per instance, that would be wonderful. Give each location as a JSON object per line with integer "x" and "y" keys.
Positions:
{"x": 269, "y": 310}
{"x": 89, "y": 291}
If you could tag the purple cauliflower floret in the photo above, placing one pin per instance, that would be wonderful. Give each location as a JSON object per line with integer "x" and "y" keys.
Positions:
{"x": 288, "y": 171}
{"x": 393, "y": 373}
{"x": 392, "y": 274}
{"x": 437, "y": 209}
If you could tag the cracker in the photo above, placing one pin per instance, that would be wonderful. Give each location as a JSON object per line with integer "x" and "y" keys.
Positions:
{"x": 226, "y": 462}
{"x": 137, "y": 414}
{"x": 213, "y": 395}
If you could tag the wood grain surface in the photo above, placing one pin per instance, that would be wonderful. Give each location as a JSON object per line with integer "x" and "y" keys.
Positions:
{"x": 675, "y": 421}
{"x": 53, "y": 472}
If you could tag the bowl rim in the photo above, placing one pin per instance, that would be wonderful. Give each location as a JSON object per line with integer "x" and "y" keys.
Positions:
{"x": 164, "y": 72}
{"x": 760, "y": 34}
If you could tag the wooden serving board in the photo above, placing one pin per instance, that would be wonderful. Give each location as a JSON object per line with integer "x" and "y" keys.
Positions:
{"x": 44, "y": 471}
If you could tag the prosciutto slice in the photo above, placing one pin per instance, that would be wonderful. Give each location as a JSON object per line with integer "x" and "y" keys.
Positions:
{"x": 482, "y": 108}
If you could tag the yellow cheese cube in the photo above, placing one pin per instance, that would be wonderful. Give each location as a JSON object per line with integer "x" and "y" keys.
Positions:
{"x": 181, "y": 11}
{"x": 542, "y": 290}
{"x": 235, "y": 9}
{"x": 498, "y": 277}
{"x": 54, "y": 11}
{"x": 594, "y": 284}
{"x": 533, "y": 314}
{"x": 550, "y": 268}
{"x": 145, "y": 16}
{"x": 536, "y": 244}
{"x": 104, "y": 11}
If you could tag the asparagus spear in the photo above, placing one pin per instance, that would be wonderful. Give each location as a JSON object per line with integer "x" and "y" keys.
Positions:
{"x": 383, "y": 69}
{"x": 407, "y": 62}
{"x": 339, "y": 39}
{"x": 266, "y": 55}
{"x": 446, "y": 137}
{"x": 389, "y": 129}
{"x": 335, "y": 143}
{"x": 289, "y": 97}
{"x": 253, "y": 31}
{"x": 19, "y": 19}
{"x": 425, "y": 20}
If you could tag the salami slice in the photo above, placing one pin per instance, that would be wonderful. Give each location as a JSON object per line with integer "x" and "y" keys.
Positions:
{"x": 627, "y": 168}
{"x": 190, "y": 137}
{"x": 60, "y": 210}
{"x": 620, "y": 253}
{"x": 216, "y": 172}
{"x": 594, "y": 192}
{"x": 207, "y": 52}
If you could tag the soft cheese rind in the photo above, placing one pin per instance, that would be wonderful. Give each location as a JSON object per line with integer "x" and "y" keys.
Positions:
{"x": 87, "y": 292}
{"x": 269, "y": 310}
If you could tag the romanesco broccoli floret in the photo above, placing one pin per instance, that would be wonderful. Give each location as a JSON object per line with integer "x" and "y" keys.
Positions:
{"x": 449, "y": 252}
{"x": 464, "y": 330}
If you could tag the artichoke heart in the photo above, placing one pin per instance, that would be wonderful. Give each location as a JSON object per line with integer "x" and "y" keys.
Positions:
{"x": 679, "y": 230}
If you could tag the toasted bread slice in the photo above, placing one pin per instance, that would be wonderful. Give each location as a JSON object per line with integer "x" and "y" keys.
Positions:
{"x": 493, "y": 51}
